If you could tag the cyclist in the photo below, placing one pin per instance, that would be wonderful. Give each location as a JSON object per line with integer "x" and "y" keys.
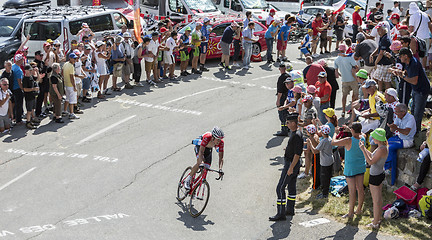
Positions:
{"x": 203, "y": 150}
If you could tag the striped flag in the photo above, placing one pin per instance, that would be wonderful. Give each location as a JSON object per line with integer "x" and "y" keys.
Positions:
{"x": 301, "y": 4}
{"x": 137, "y": 21}
{"x": 339, "y": 6}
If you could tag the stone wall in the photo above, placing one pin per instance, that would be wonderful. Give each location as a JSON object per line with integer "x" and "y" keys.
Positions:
{"x": 408, "y": 170}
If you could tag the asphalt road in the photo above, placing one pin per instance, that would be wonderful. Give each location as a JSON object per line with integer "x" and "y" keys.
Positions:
{"x": 113, "y": 173}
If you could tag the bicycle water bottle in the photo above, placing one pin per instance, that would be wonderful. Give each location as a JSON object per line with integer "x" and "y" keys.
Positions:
{"x": 197, "y": 141}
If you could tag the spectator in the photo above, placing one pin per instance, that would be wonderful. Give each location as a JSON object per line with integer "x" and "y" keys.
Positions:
{"x": 247, "y": 19}
{"x": 184, "y": 53}
{"x": 138, "y": 49}
{"x": 248, "y": 39}
{"x": 128, "y": 64}
{"x": 196, "y": 42}
{"x": 225, "y": 42}
{"x": 8, "y": 74}
{"x": 379, "y": 23}
{"x": 79, "y": 75}
{"x": 414, "y": 74}
{"x": 56, "y": 92}
{"x": 89, "y": 70}
{"x": 85, "y": 31}
{"x": 355, "y": 166}
{"x": 324, "y": 90}
{"x": 420, "y": 26}
{"x": 424, "y": 158}
{"x": 58, "y": 51}
{"x": 49, "y": 55}
{"x": 31, "y": 90}
{"x": 324, "y": 33}
{"x": 346, "y": 68}
{"x": 317, "y": 27}
{"x": 5, "y": 106}
{"x": 42, "y": 98}
{"x": 339, "y": 28}
{"x": 169, "y": 58}
{"x": 371, "y": 117}
{"x": 383, "y": 63}
{"x": 205, "y": 31}
{"x": 102, "y": 54}
{"x": 371, "y": 18}
{"x": 282, "y": 40}
{"x": 394, "y": 31}
{"x": 311, "y": 90}
{"x": 310, "y": 73}
{"x": 376, "y": 160}
{"x": 305, "y": 45}
{"x": 331, "y": 78}
{"x": 17, "y": 88}
{"x": 282, "y": 94}
{"x": 357, "y": 22}
{"x": 270, "y": 34}
{"x": 70, "y": 87}
{"x": 395, "y": 8}
{"x": 270, "y": 19}
{"x": 237, "y": 39}
{"x": 404, "y": 128}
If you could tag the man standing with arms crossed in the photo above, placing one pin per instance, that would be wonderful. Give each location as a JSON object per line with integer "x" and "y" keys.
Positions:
{"x": 290, "y": 171}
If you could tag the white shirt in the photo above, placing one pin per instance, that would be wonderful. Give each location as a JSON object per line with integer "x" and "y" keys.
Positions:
{"x": 408, "y": 121}
{"x": 153, "y": 48}
{"x": 127, "y": 49}
{"x": 374, "y": 32}
{"x": 423, "y": 31}
{"x": 396, "y": 10}
{"x": 170, "y": 43}
{"x": 5, "y": 107}
{"x": 88, "y": 66}
{"x": 268, "y": 20}
{"x": 78, "y": 69}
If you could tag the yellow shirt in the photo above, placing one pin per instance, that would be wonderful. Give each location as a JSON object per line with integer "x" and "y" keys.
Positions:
{"x": 372, "y": 103}
{"x": 68, "y": 69}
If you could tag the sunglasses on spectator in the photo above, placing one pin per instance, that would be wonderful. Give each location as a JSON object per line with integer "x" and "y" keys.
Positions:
{"x": 5, "y": 84}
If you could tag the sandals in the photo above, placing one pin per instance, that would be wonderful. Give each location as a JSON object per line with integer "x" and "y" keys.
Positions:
{"x": 374, "y": 226}
{"x": 101, "y": 96}
{"x": 347, "y": 216}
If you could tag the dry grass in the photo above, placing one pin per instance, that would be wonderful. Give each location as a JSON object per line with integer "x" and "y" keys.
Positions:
{"x": 407, "y": 228}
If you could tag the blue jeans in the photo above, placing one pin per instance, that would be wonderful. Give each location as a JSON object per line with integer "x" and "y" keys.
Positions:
{"x": 321, "y": 115}
{"x": 418, "y": 107}
{"x": 248, "y": 53}
{"x": 395, "y": 143}
{"x": 269, "y": 43}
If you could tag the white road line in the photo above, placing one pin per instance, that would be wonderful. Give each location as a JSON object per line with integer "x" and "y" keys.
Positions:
{"x": 17, "y": 178}
{"x": 105, "y": 129}
{"x": 193, "y": 94}
{"x": 314, "y": 222}
{"x": 237, "y": 83}
{"x": 269, "y": 76}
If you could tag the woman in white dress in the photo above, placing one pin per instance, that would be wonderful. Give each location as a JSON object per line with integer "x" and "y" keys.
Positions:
{"x": 101, "y": 55}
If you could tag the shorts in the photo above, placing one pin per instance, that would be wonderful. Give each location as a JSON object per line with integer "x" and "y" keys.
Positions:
{"x": 196, "y": 52}
{"x": 323, "y": 39}
{"x": 225, "y": 48}
{"x": 117, "y": 70}
{"x": 78, "y": 88}
{"x": 382, "y": 73}
{"x": 71, "y": 95}
{"x": 339, "y": 35}
{"x": 86, "y": 83}
{"x": 102, "y": 69}
{"x": 127, "y": 68}
{"x": 30, "y": 105}
{"x": 281, "y": 45}
{"x": 304, "y": 51}
{"x": 348, "y": 86}
{"x": 376, "y": 180}
{"x": 5, "y": 121}
{"x": 207, "y": 154}
{"x": 149, "y": 66}
{"x": 184, "y": 56}
{"x": 204, "y": 47}
{"x": 169, "y": 58}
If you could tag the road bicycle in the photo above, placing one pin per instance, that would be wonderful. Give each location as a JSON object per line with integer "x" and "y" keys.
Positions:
{"x": 199, "y": 189}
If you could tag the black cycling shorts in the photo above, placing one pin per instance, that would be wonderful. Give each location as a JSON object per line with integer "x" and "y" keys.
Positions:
{"x": 207, "y": 154}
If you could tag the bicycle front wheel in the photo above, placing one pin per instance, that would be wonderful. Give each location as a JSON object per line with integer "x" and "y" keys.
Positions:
{"x": 199, "y": 199}
{"x": 181, "y": 190}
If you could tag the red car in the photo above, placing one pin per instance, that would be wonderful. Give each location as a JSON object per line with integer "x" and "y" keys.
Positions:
{"x": 218, "y": 26}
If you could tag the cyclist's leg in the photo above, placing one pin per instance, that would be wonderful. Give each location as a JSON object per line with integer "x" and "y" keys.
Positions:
{"x": 207, "y": 159}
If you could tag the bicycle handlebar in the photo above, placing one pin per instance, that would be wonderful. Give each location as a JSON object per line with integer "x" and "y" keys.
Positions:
{"x": 221, "y": 173}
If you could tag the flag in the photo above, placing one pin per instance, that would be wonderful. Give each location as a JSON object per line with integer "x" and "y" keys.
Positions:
{"x": 96, "y": 3}
{"x": 129, "y": 2}
{"x": 301, "y": 5}
{"x": 137, "y": 21}
{"x": 339, "y": 6}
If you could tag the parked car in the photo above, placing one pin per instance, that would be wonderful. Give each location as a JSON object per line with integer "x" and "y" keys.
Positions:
{"x": 350, "y": 4}
{"x": 218, "y": 27}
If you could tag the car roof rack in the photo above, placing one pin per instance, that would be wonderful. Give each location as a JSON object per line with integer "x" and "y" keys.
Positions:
{"x": 69, "y": 12}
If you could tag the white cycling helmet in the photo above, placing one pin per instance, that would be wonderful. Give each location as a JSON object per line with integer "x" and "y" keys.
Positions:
{"x": 217, "y": 133}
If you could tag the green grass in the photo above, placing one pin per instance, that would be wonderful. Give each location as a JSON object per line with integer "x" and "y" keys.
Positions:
{"x": 407, "y": 228}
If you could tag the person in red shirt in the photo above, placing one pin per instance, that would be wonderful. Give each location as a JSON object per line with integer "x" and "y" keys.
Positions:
{"x": 311, "y": 76}
{"x": 357, "y": 22}
{"x": 23, "y": 50}
{"x": 317, "y": 27}
{"x": 323, "y": 92}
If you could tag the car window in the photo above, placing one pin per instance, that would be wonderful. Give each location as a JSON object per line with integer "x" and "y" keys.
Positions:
{"x": 96, "y": 24}
{"x": 177, "y": 6}
{"x": 120, "y": 20}
{"x": 42, "y": 30}
{"x": 219, "y": 29}
{"x": 7, "y": 25}
{"x": 151, "y": 3}
{"x": 258, "y": 28}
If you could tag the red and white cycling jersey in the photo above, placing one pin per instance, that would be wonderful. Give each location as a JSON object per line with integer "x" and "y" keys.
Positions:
{"x": 206, "y": 137}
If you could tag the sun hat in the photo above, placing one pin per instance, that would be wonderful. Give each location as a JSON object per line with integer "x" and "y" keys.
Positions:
{"x": 322, "y": 74}
{"x": 18, "y": 57}
{"x": 84, "y": 25}
{"x": 396, "y": 45}
{"x": 369, "y": 83}
{"x": 297, "y": 89}
{"x": 311, "y": 89}
{"x": 325, "y": 129}
{"x": 311, "y": 129}
{"x": 307, "y": 98}
{"x": 379, "y": 134}
{"x": 362, "y": 73}
{"x": 392, "y": 92}
{"x": 329, "y": 112}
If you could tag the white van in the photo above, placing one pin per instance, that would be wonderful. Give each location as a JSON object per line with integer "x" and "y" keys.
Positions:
{"x": 64, "y": 23}
{"x": 403, "y": 5}
{"x": 179, "y": 10}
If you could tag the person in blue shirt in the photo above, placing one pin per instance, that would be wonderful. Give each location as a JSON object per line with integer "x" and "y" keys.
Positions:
{"x": 283, "y": 38}
{"x": 247, "y": 19}
{"x": 17, "y": 88}
{"x": 270, "y": 34}
{"x": 306, "y": 44}
{"x": 205, "y": 31}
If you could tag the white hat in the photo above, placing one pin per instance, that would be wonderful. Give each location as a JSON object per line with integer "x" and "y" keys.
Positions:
{"x": 126, "y": 34}
{"x": 56, "y": 42}
{"x": 99, "y": 43}
{"x": 206, "y": 20}
{"x": 392, "y": 92}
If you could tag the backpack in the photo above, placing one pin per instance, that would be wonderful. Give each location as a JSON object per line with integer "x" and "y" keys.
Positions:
{"x": 421, "y": 47}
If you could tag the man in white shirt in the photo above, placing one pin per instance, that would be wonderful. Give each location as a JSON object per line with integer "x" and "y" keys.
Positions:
{"x": 420, "y": 26}
{"x": 169, "y": 58}
{"x": 78, "y": 76}
{"x": 128, "y": 65}
{"x": 395, "y": 8}
{"x": 150, "y": 63}
{"x": 5, "y": 106}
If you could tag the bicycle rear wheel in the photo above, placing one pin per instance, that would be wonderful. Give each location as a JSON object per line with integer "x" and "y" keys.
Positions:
{"x": 199, "y": 199}
{"x": 182, "y": 192}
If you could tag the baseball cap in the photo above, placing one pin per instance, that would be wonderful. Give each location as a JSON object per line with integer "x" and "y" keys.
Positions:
{"x": 395, "y": 16}
{"x": 87, "y": 47}
{"x": 272, "y": 10}
{"x": 392, "y": 92}
{"x": 282, "y": 65}
{"x": 343, "y": 48}
{"x": 126, "y": 35}
{"x": 99, "y": 43}
{"x": 18, "y": 57}
{"x": 379, "y": 134}
{"x": 369, "y": 83}
{"x": 307, "y": 98}
{"x": 73, "y": 55}
{"x": 25, "y": 48}
{"x": 380, "y": 25}
{"x": 77, "y": 52}
{"x": 49, "y": 41}
{"x": 379, "y": 17}
{"x": 56, "y": 42}
{"x": 206, "y": 20}
{"x": 118, "y": 39}
{"x": 329, "y": 112}
{"x": 188, "y": 29}
{"x": 396, "y": 45}
{"x": 297, "y": 89}
{"x": 311, "y": 89}
{"x": 362, "y": 73}
{"x": 322, "y": 74}
{"x": 163, "y": 29}
{"x": 357, "y": 7}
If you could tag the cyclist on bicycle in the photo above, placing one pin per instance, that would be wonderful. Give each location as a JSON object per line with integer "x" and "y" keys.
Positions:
{"x": 203, "y": 150}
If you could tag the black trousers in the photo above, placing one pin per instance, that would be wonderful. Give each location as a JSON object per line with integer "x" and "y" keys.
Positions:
{"x": 404, "y": 92}
{"x": 39, "y": 102}
{"x": 290, "y": 182}
{"x": 333, "y": 98}
{"x": 424, "y": 169}
{"x": 282, "y": 117}
{"x": 137, "y": 72}
{"x": 18, "y": 107}
{"x": 316, "y": 171}
{"x": 236, "y": 56}
{"x": 326, "y": 174}
{"x": 355, "y": 31}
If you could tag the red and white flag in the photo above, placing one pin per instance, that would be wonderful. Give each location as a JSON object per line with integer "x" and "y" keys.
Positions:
{"x": 339, "y": 6}
{"x": 301, "y": 5}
